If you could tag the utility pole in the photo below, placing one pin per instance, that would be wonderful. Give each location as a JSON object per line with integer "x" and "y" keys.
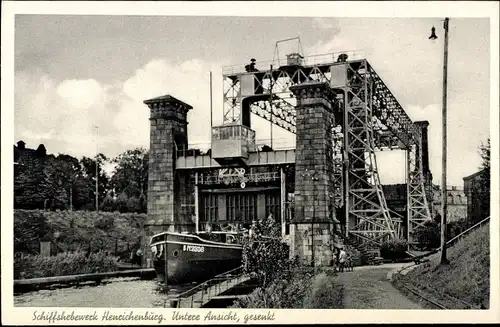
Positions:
{"x": 97, "y": 170}
{"x": 211, "y": 106}
{"x": 444, "y": 195}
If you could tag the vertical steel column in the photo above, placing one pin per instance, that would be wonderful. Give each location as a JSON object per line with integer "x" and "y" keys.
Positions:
{"x": 347, "y": 150}
{"x": 196, "y": 203}
{"x": 282, "y": 200}
{"x": 373, "y": 220}
{"x": 408, "y": 196}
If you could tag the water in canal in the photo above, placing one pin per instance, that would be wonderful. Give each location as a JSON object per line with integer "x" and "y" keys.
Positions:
{"x": 114, "y": 293}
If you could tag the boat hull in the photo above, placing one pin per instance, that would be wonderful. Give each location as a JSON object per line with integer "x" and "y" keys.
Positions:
{"x": 191, "y": 259}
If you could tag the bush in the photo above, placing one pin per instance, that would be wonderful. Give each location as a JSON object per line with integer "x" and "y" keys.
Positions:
{"x": 301, "y": 290}
{"x": 35, "y": 266}
{"x": 30, "y": 228}
{"x": 105, "y": 223}
{"x": 428, "y": 236}
{"x": 281, "y": 293}
{"x": 108, "y": 204}
{"x": 456, "y": 227}
{"x": 325, "y": 293}
{"x": 265, "y": 254}
{"x": 393, "y": 249}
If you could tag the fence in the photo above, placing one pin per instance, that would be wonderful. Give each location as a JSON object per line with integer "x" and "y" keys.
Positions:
{"x": 204, "y": 292}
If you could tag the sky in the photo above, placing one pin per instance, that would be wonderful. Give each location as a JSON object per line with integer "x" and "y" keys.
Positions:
{"x": 75, "y": 72}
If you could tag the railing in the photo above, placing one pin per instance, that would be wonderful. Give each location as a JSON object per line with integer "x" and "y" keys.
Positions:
{"x": 206, "y": 289}
{"x": 452, "y": 241}
{"x": 253, "y": 177}
{"x": 319, "y": 59}
{"x": 203, "y": 149}
{"x": 465, "y": 232}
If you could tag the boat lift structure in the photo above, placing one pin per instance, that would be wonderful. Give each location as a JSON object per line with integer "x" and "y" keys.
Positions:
{"x": 342, "y": 114}
{"x": 372, "y": 120}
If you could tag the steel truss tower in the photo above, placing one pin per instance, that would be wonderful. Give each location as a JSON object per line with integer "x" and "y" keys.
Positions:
{"x": 368, "y": 118}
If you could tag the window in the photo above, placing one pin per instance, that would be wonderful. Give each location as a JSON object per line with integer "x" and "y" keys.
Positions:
{"x": 209, "y": 207}
{"x": 241, "y": 207}
{"x": 273, "y": 206}
{"x": 216, "y": 133}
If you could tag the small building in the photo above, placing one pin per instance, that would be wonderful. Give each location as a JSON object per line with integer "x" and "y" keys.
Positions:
{"x": 477, "y": 190}
{"x": 395, "y": 196}
{"x": 457, "y": 203}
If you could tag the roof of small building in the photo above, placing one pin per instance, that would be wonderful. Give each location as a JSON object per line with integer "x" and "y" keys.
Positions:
{"x": 474, "y": 175}
{"x": 167, "y": 98}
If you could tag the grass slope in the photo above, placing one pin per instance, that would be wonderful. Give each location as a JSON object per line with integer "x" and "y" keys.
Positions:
{"x": 467, "y": 277}
{"x": 304, "y": 290}
{"x": 109, "y": 236}
{"x": 74, "y": 231}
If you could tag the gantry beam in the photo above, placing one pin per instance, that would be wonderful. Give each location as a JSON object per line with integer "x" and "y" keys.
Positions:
{"x": 390, "y": 120}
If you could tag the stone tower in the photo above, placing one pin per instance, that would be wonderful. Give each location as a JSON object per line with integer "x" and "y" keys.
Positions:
{"x": 314, "y": 182}
{"x": 167, "y": 134}
{"x": 424, "y": 125}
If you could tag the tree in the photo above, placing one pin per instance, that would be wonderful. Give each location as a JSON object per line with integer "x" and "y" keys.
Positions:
{"x": 89, "y": 173}
{"x": 130, "y": 175}
{"x": 108, "y": 204}
{"x": 34, "y": 183}
{"x": 485, "y": 178}
{"x": 485, "y": 152}
{"x": 133, "y": 205}
{"x": 122, "y": 203}
{"x": 264, "y": 253}
{"x": 66, "y": 172}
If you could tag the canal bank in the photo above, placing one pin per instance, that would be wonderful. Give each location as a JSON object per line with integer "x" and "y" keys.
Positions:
{"x": 111, "y": 293}
{"x": 36, "y": 284}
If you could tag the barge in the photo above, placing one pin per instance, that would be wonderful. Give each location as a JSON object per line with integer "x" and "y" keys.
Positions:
{"x": 196, "y": 257}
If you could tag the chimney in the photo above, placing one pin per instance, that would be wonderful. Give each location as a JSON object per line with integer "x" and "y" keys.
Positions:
{"x": 21, "y": 145}
{"x": 41, "y": 151}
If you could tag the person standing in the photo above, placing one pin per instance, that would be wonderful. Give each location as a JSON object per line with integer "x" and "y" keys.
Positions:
{"x": 138, "y": 257}
{"x": 336, "y": 259}
{"x": 342, "y": 259}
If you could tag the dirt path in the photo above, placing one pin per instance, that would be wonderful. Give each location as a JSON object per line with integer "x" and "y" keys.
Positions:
{"x": 369, "y": 288}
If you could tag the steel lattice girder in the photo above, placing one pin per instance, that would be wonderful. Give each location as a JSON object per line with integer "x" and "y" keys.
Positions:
{"x": 389, "y": 125}
{"x": 277, "y": 82}
{"x": 388, "y": 115}
{"x": 418, "y": 208}
{"x": 367, "y": 203}
{"x": 338, "y": 167}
